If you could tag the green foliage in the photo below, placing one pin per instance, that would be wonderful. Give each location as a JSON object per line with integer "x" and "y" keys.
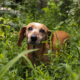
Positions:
{"x": 58, "y": 15}
{"x": 5, "y": 68}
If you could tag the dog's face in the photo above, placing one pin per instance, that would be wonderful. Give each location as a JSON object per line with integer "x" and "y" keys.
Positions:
{"x": 34, "y": 32}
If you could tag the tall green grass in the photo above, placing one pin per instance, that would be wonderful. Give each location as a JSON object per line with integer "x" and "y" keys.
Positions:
{"x": 63, "y": 67}
{"x": 11, "y": 62}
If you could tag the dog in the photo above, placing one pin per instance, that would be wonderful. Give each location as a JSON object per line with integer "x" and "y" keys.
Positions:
{"x": 37, "y": 34}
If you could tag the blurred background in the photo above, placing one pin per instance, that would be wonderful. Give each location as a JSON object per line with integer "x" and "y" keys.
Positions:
{"x": 53, "y": 13}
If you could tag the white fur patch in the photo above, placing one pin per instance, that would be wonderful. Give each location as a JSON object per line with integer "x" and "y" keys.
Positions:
{"x": 37, "y": 24}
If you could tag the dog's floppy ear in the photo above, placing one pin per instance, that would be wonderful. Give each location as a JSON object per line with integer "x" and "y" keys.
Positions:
{"x": 49, "y": 33}
{"x": 21, "y": 35}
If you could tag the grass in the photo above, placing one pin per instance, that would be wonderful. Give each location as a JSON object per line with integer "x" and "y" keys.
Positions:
{"x": 10, "y": 63}
{"x": 65, "y": 67}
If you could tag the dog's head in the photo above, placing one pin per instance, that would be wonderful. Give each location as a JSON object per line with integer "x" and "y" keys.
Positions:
{"x": 34, "y": 32}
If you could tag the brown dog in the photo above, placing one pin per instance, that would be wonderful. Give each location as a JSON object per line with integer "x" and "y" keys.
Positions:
{"x": 35, "y": 34}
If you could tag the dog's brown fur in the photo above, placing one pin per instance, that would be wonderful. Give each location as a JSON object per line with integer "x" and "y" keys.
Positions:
{"x": 41, "y": 36}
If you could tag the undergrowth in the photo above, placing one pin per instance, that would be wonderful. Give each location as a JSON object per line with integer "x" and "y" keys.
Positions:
{"x": 63, "y": 67}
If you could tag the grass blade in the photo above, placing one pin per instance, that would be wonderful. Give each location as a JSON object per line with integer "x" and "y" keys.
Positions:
{"x": 11, "y": 62}
{"x": 30, "y": 64}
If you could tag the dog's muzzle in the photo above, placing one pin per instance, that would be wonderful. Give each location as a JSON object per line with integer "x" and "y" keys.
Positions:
{"x": 33, "y": 39}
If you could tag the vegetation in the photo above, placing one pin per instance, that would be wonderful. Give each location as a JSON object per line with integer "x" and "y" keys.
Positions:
{"x": 57, "y": 15}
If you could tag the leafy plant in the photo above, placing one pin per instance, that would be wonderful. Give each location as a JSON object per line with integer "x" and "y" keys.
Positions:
{"x": 58, "y": 15}
{"x": 9, "y": 64}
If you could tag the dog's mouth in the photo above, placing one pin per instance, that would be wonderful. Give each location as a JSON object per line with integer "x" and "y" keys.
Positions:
{"x": 34, "y": 42}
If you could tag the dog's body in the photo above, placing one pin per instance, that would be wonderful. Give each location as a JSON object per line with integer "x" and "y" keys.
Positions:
{"x": 35, "y": 34}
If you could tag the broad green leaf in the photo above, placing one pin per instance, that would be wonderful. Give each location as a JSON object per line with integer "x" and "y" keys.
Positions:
{"x": 1, "y": 33}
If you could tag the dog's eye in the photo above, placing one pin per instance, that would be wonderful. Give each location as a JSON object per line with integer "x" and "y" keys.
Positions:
{"x": 42, "y": 30}
{"x": 30, "y": 28}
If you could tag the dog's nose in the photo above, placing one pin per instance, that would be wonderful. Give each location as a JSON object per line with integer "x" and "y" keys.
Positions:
{"x": 33, "y": 37}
